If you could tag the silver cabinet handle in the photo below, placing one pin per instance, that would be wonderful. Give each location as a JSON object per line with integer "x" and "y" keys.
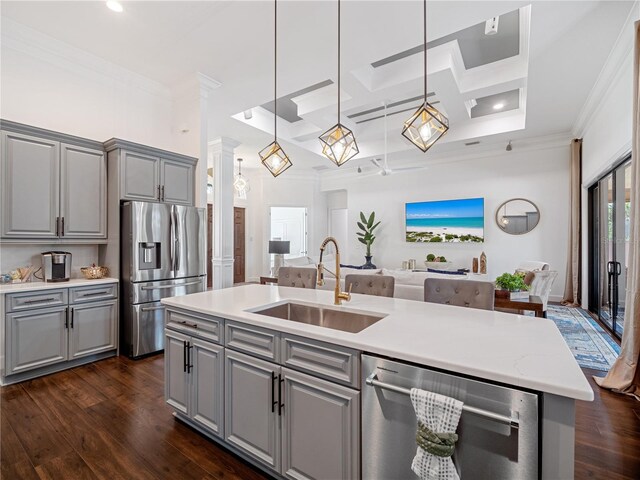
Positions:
{"x": 164, "y": 287}
{"x": 41, "y": 300}
{"x": 72, "y": 309}
{"x": 162, "y": 193}
{"x": 62, "y": 229}
{"x": 150, "y": 309}
{"x": 158, "y": 192}
{"x": 103, "y": 292}
{"x": 57, "y": 226}
{"x": 187, "y": 324}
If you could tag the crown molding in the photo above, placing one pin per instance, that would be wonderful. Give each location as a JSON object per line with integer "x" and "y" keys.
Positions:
{"x": 523, "y": 145}
{"x": 117, "y": 143}
{"x": 27, "y": 41}
{"x": 610, "y": 73}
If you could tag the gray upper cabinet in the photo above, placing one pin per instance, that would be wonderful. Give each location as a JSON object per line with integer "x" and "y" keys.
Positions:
{"x": 92, "y": 328}
{"x": 251, "y": 417}
{"x": 140, "y": 177}
{"x": 30, "y": 186}
{"x": 151, "y": 175}
{"x": 83, "y": 199}
{"x": 320, "y": 429}
{"x": 54, "y": 186}
{"x": 176, "y": 180}
{"x": 36, "y": 338}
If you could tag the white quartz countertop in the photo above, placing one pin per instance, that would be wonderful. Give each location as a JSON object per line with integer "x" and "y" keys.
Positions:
{"x": 526, "y": 352}
{"x": 32, "y": 286}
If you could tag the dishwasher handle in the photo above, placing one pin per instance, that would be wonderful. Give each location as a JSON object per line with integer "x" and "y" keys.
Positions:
{"x": 513, "y": 420}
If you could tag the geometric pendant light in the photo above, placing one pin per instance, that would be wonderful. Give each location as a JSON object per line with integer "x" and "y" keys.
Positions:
{"x": 273, "y": 156}
{"x": 427, "y": 125}
{"x": 338, "y": 143}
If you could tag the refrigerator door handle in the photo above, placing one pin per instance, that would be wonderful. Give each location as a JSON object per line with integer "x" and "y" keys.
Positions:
{"x": 175, "y": 285}
{"x": 176, "y": 248}
{"x": 172, "y": 238}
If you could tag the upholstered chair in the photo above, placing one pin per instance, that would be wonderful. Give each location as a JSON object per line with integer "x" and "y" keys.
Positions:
{"x": 380, "y": 285}
{"x": 541, "y": 285}
{"x": 297, "y": 277}
{"x": 462, "y": 293}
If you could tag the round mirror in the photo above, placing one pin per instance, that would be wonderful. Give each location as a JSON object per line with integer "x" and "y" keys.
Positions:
{"x": 517, "y": 216}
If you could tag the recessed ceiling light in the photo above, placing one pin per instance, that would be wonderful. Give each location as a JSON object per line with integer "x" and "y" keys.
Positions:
{"x": 115, "y": 6}
{"x": 498, "y": 106}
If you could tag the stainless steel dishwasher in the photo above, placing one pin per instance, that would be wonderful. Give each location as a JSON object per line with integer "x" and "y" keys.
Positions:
{"x": 498, "y": 429}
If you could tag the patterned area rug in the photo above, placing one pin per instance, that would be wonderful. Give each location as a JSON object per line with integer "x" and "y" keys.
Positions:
{"x": 591, "y": 345}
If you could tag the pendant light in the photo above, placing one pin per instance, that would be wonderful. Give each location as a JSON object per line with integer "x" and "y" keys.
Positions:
{"x": 273, "y": 156}
{"x": 338, "y": 143}
{"x": 240, "y": 182}
{"x": 427, "y": 125}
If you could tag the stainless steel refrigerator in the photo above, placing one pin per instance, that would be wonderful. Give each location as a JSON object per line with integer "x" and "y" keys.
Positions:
{"x": 163, "y": 254}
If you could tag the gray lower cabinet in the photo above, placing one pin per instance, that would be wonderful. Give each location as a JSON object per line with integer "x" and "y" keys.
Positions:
{"x": 83, "y": 192}
{"x": 36, "y": 338}
{"x": 92, "y": 328}
{"x": 194, "y": 373}
{"x": 319, "y": 416}
{"x": 30, "y": 186}
{"x": 252, "y": 421}
{"x": 298, "y": 425}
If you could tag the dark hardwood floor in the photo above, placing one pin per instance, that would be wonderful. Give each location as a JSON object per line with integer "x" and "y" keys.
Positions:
{"x": 109, "y": 420}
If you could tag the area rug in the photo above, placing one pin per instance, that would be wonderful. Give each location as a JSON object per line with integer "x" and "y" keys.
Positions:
{"x": 591, "y": 345}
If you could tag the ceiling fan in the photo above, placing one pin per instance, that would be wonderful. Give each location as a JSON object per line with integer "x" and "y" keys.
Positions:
{"x": 381, "y": 163}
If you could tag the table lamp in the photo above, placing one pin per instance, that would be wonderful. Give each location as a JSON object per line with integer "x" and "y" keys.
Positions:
{"x": 279, "y": 248}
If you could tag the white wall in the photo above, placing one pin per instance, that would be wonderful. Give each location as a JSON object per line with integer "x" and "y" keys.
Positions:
{"x": 289, "y": 190}
{"x": 540, "y": 175}
{"x": 606, "y": 125}
{"x": 49, "y": 84}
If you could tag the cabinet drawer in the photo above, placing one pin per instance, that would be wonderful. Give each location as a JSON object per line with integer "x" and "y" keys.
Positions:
{"x": 45, "y": 298}
{"x": 255, "y": 341}
{"x": 205, "y": 327}
{"x": 93, "y": 293}
{"x": 332, "y": 362}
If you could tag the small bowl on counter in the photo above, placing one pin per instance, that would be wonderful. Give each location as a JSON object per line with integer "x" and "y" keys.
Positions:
{"x": 94, "y": 272}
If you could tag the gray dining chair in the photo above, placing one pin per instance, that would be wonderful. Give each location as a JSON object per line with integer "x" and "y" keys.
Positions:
{"x": 461, "y": 293}
{"x": 297, "y": 277}
{"x": 380, "y": 285}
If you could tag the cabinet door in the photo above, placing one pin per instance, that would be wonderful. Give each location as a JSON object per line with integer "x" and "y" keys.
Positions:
{"x": 207, "y": 385}
{"x": 320, "y": 429}
{"x": 36, "y": 338}
{"x": 139, "y": 177}
{"x": 176, "y": 380}
{"x": 30, "y": 179}
{"x": 176, "y": 179}
{"x": 83, "y": 192}
{"x": 251, "y": 419}
{"x": 92, "y": 328}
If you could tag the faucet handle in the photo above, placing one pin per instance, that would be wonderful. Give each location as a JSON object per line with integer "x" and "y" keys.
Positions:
{"x": 346, "y": 295}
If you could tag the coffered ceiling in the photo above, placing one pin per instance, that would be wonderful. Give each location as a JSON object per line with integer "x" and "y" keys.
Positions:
{"x": 541, "y": 65}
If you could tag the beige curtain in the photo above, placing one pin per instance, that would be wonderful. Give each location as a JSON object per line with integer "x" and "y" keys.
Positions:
{"x": 624, "y": 375}
{"x": 572, "y": 281}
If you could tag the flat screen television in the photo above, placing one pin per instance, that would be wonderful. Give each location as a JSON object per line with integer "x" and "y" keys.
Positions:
{"x": 447, "y": 221}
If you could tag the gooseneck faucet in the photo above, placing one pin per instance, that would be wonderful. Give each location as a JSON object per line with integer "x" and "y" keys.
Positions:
{"x": 338, "y": 295}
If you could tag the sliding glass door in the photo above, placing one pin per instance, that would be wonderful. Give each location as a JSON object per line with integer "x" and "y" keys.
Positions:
{"x": 610, "y": 206}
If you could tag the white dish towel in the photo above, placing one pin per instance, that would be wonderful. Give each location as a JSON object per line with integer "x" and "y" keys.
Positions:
{"x": 440, "y": 414}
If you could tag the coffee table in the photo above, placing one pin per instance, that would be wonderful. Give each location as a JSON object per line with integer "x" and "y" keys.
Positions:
{"x": 534, "y": 304}
{"x": 267, "y": 279}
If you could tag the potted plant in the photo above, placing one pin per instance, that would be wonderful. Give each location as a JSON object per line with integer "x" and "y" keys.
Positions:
{"x": 437, "y": 262}
{"x": 366, "y": 236}
{"x": 512, "y": 286}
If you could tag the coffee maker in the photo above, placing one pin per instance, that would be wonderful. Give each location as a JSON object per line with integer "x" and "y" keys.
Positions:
{"x": 56, "y": 266}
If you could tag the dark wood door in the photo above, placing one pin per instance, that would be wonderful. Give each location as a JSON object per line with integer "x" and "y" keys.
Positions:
{"x": 238, "y": 245}
{"x": 209, "y": 245}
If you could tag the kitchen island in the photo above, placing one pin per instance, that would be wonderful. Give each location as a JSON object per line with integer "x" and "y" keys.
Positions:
{"x": 245, "y": 378}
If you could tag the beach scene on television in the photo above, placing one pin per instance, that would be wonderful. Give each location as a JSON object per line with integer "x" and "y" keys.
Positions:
{"x": 446, "y": 221}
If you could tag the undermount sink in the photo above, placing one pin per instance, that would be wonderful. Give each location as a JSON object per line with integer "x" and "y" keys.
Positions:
{"x": 321, "y": 316}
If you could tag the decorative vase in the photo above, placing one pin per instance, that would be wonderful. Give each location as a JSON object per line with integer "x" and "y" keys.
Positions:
{"x": 474, "y": 266}
{"x": 483, "y": 263}
{"x": 368, "y": 265}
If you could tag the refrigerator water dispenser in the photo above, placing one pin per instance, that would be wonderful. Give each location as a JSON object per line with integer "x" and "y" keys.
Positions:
{"x": 149, "y": 255}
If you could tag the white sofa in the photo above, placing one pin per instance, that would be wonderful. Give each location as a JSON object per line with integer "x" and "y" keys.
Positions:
{"x": 408, "y": 285}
